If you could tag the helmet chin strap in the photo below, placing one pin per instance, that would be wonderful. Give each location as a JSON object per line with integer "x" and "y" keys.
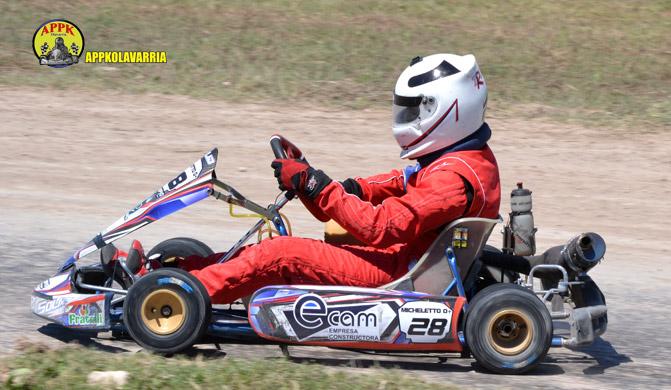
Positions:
{"x": 474, "y": 141}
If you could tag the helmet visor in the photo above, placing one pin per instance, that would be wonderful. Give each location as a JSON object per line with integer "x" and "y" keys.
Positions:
{"x": 413, "y": 109}
{"x": 406, "y": 109}
{"x": 405, "y": 114}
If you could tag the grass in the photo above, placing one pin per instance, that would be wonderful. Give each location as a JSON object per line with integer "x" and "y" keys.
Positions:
{"x": 599, "y": 60}
{"x": 67, "y": 368}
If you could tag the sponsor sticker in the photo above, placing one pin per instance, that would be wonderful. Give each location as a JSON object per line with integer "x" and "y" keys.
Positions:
{"x": 312, "y": 317}
{"x": 460, "y": 238}
{"x": 186, "y": 176}
{"x": 73, "y": 310}
{"x": 46, "y": 307}
{"x": 85, "y": 316}
{"x": 425, "y": 322}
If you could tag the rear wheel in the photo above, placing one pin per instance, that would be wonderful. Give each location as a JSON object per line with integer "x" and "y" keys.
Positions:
{"x": 180, "y": 247}
{"x": 167, "y": 311}
{"x": 508, "y": 329}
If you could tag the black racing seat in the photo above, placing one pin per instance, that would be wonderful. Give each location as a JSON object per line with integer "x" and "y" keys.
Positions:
{"x": 432, "y": 274}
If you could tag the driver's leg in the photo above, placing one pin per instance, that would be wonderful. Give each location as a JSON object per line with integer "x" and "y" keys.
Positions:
{"x": 292, "y": 260}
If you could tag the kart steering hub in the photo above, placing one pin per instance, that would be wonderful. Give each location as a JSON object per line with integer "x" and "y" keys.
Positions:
{"x": 510, "y": 332}
{"x": 163, "y": 312}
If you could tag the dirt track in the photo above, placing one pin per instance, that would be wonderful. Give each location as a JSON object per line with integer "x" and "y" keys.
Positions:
{"x": 72, "y": 163}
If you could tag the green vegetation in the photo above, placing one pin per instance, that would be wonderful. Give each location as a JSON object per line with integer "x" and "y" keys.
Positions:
{"x": 68, "y": 368}
{"x": 601, "y": 60}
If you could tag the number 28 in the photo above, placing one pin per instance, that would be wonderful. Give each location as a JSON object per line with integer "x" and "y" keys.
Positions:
{"x": 426, "y": 326}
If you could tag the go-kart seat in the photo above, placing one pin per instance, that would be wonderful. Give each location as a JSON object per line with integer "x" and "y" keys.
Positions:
{"x": 432, "y": 273}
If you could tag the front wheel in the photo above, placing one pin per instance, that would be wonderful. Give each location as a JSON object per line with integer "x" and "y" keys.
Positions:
{"x": 508, "y": 329}
{"x": 167, "y": 311}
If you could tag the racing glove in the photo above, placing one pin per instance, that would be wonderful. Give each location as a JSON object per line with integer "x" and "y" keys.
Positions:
{"x": 299, "y": 176}
{"x": 353, "y": 187}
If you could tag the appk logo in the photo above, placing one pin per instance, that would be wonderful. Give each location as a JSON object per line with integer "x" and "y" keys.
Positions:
{"x": 58, "y": 43}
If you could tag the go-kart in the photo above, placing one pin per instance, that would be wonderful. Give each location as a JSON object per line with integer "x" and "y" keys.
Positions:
{"x": 461, "y": 297}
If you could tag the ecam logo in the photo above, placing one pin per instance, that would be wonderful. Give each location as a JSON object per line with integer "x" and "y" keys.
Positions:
{"x": 311, "y": 312}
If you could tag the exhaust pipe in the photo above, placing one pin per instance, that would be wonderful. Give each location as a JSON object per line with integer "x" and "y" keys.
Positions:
{"x": 580, "y": 254}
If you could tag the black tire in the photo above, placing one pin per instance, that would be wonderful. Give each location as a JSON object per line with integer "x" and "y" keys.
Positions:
{"x": 179, "y": 326}
{"x": 508, "y": 329}
{"x": 180, "y": 247}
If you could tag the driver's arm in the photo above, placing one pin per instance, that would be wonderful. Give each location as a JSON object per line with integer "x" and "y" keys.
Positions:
{"x": 376, "y": 188}
{"x": 372, "y": 189}
{"x": 313, "y": 208}
{"x": 438, "y": 200}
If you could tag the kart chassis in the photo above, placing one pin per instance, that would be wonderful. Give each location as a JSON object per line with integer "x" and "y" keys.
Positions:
{"x": 232, "y": 322}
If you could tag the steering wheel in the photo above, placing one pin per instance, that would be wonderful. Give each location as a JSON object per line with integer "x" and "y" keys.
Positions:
{"x": 283, "y": 148}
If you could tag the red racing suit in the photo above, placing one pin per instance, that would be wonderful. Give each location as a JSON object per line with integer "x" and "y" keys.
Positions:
{"x": 398, "y": 216}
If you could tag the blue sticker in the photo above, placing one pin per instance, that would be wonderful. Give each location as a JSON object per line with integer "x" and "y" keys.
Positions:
{"x": 166, "y": 208}
{"x": 173, "y": 280}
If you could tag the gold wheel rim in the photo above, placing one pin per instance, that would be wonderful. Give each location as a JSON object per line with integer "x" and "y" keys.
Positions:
{"x": 163, "y": 312}
{"x": 510, "y": 332}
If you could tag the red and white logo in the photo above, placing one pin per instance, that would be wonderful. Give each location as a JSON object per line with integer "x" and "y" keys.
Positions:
{"x": 478, "y": 80}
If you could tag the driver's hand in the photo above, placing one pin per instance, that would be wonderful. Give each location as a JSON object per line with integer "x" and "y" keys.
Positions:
{"x": 290, "y": 174}
{"x": 299, "y": 176}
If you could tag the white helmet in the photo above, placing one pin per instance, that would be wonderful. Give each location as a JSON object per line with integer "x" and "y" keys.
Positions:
{"x": 438, "y": 101}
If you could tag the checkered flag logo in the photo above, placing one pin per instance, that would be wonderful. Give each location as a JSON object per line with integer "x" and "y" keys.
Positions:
{"x": 75, "y": 49}
{"x": 44, "y": 48}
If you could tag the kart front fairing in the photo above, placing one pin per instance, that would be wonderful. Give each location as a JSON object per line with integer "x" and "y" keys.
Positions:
{"x": 190, "y": 186}
{"x": 56, "y": 299}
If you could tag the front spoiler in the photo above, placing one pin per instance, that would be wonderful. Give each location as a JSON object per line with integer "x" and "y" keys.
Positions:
{"x": 55, "y": 301}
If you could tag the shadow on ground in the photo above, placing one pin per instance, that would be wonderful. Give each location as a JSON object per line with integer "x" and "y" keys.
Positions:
{"x": 606, "y": 357}
{"x": 598, "y": 357}
{"x": 123, "y": 344}
{"x": 81, "y": 337}
{"x": 441, "y": 365}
